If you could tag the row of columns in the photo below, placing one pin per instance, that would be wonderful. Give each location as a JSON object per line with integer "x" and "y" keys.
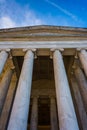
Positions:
{"x": 81, "y": 113}
{"x": 66, "y": 112}
{"x": 6, "y": 79}
{"x": 82, "y": 83}
{"x": 4, "y": 85}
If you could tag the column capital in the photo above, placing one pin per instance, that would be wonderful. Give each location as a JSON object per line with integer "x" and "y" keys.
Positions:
{"x": 31, "y": 49}
{"x": 60, "y": 49}
{"x": 13, "y": 68}
{"x": 54, "y": 49}
{"x": 6, "y": 50}
{"x": 78, "y": 49}
{"x": 81, "y": 49}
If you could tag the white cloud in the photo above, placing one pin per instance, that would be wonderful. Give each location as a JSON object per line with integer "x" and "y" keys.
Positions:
{"x": 7, "y": 22}
{"x": 14, "y": 15}
{"x": 31, "y": 19}
{"x": 28, "y": 19}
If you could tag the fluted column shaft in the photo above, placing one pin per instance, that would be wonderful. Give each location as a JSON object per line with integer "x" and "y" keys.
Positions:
{"x": 83, "y": 58}
{"x": 53, "y": 114}
{"x": 3, "y": 58}
{"x": 82, "y": 84}
{"x": 66, "y": 112}
{"x": 34, "y": 114}
{"x": 4, "y": 85}
{"x": 19, "y": 115}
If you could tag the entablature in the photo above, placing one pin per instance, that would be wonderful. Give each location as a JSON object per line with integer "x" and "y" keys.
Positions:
{"x": 43, "y": 38}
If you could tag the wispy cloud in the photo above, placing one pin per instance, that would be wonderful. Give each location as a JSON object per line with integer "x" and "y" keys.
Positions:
{"x": 62, "y": 10}
{"x": 7, "y": 22}
{"x": 16, "y": 16}
{"x": 31, "y": 19}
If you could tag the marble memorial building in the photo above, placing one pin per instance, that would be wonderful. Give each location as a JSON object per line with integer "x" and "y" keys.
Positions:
{"x": 43, "y": 78}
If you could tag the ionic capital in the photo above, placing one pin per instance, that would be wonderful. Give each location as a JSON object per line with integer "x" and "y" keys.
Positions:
{"x": 6, "y": 50}
{"x": 13, "y": 68}
{"x": 52, "y": 50}
{"x": 27, "y": 49}
{"x": 81, "y": 49}
{"x": 31, "y": 49}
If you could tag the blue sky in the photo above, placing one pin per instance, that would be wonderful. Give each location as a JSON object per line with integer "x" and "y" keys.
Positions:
{"x": 16, "y": 13}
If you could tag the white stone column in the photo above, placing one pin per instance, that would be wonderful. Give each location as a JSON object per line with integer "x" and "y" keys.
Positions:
{"x": 19, "y": 115}
{"x": 34, "y": 114}
{"x": 3, "y": 58}
{"x": 79, "y": 103}
{"x": 53, "y": 114}
{"x": 4, "y": 85}
{"x": 66, "y": 112}
{"x": 82, "y": 82}
{"x": 83, "y": 58}
{"x": 8, "y": 104}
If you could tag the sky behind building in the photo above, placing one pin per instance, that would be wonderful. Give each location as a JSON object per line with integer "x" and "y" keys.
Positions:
{"x": 16, "y": 13}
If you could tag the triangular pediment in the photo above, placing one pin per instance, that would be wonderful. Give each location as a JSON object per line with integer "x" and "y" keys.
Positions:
{"x": 43, "y": 32}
